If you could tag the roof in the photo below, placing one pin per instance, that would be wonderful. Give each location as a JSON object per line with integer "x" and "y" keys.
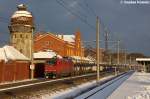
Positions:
{"x": 40, "y": 36}
{"x": 21, "y": 13}
{"x": 45, "y": 55}
{"x": 2, "y": 54}
{"x": 10, "y": 53}
{"x": 142, "y": 59}
{"x": 68, "y": 38}
{"x": 82, "y": 58}
{"x": 21, "y": 5}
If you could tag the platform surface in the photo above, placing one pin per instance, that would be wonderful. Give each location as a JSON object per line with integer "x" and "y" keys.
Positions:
{"x": 136, "y": 86}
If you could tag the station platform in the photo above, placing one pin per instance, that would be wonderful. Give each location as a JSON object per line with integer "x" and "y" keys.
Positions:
{"x": 137, "y": 86}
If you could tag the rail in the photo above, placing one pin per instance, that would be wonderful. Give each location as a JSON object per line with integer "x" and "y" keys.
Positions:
{"x": 107, "y": 85}
{"x": 45, "y": 82}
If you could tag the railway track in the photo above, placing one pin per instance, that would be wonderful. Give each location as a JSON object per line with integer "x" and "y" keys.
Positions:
{"x": 29, "y": 88}
{"x": 105, "y": 84}
{"x": 7, "y": 87}
{"x": 41, "y": 81}
{"x": 32, "y": 89}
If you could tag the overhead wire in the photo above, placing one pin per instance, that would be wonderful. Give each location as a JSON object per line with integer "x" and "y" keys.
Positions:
{"x": 90, "y": 10}
{"x": 103, "y": 26}
{"x": 63, "y": 4}
{"x": 76, "y": 10}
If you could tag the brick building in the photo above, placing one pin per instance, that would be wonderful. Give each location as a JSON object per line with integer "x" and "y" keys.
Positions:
{"x": 64, "y": 45}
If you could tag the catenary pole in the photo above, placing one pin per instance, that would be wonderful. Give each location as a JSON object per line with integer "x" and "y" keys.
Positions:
{"x": 118, "y": 56}
{"x": 118, "y": 52}
{"x": 97, "y": 47}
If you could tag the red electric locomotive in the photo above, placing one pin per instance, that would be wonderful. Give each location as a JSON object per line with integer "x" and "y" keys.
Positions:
{"x": 58, "y": 67}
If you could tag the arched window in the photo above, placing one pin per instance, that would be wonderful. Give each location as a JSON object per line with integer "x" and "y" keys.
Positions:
{"x": 21, "y": 50}
{"x": 21, "y": 36}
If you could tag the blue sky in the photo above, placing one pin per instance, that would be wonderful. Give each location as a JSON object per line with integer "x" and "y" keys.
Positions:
{"x": 129, "y": 23}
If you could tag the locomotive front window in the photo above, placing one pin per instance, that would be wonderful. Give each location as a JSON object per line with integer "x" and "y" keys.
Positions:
{"x": 52, "y": 61}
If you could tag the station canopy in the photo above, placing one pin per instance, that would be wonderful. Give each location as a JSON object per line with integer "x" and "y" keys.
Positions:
{"x": 143, "y": 59}
{"x": 46, "y": 55}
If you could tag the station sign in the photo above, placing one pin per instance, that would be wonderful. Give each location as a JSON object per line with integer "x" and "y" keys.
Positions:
{"x": 32, "y": 66}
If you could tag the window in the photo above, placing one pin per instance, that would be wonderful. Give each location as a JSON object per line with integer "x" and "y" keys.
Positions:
{"x": 47, "y": 42}
{"x": 21, "y": 50}
{"x": 21, "y": 35}
{"x": 52, "y": 61}
{"x": 15, "y": 36}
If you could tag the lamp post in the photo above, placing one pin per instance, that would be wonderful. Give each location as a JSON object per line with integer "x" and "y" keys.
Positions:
{"x": 32, "y": 67}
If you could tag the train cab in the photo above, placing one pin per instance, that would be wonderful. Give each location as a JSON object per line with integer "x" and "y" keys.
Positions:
{"x": 57, "y": 67}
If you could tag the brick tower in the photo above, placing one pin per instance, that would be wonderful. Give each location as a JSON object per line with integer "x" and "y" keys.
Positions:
{"x": 78, "y": 43}
{"x": 21, "y": 30}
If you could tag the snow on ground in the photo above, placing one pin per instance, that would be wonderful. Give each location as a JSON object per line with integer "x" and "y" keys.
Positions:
{"x": 136, "y": 87}
{"x": 103, "y": 91}
{"x": 18, "y": 81}
{"x": 72, "y": 91}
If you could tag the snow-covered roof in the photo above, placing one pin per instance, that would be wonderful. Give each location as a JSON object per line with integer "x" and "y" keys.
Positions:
{"x": 76, "y": 57}
{"x": 10, "y": 53}
{"x": 79, "y": 58}
{"x": 68, "y": 38}
{"x": 21, "y": 5}
{"x": 91, "y": 58}
{"x": 45, "y": 55}
{"x": 21, "y": 13}
{"x": 142, "y": 59}
{"x": 2, "y": 54}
